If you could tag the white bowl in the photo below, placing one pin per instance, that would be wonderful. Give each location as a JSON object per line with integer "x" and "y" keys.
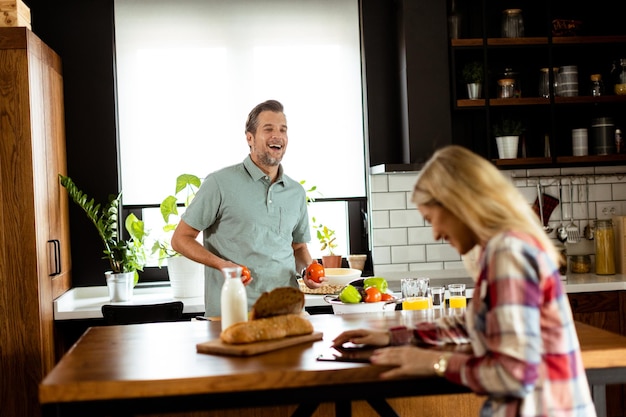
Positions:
{"x": 359, "y": 308}
{"x": 341, "y": 276}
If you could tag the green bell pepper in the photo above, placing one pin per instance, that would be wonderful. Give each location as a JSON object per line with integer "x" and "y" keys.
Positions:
{"x": 380, "y": 283}
{"x": 350, "y": 295}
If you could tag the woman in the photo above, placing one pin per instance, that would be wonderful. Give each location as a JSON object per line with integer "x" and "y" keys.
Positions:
{"x": 526, "y": 356}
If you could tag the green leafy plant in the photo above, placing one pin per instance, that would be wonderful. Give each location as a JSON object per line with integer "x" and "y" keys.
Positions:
{"x": 326, "y": 237}
{"x": 187, "y": 185}
{"x": 473, "y": 72}
{"x": 123, "y": 255}
{"x": 508, "y": 127}
{"x": 324, "y": 234}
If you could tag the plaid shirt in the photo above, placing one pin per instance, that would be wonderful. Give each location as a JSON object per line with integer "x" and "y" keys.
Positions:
{"x": 526, "y": 356}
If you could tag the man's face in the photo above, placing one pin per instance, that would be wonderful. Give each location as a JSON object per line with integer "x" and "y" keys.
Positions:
{"x": 269, "y": 143}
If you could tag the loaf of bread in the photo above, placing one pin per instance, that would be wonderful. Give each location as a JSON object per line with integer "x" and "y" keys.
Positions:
{"x": 269, "y": 328}
{"x": 279, "y": 301}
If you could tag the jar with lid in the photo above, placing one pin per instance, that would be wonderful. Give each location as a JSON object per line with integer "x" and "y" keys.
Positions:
{"x": 506, "y": 88}
{"x": 597, "y": 87}
{"x": 605, "y": 247}
{"x": 618, "y": 73}
{"x": 580, "y": 264}
{"x": 517, "y": 85}
{"x": 512, "y": 23}
{"x": 619, "y": 141}
{"x": 544, "y": 82}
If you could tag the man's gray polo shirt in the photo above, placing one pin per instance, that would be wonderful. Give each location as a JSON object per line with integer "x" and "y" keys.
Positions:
{"x": 251, "y": 222}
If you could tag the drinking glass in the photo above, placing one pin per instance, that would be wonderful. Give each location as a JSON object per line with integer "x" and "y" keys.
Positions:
{"x": 438, "y": 297}
{"x": 415, "y": 293}
{"x": 457, "y": 298}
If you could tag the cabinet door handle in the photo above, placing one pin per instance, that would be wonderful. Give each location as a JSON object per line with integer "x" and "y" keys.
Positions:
{"x": 57, "y": 257}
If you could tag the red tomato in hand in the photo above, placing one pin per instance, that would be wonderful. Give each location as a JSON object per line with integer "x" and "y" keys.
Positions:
{"x": 245, "y": 275}
{"x": 315, "y": 271}
{"x": 386, "y": 297}
{"x": 372, "y": 295}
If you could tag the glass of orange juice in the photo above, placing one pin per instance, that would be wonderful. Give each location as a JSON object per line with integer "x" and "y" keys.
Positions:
{"x": 415, "y": 294}
{"x": 456, "y": 297}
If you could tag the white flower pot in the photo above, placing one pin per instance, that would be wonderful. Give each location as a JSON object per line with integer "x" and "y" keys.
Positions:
{"x": 507, "y": 146}
{"x": 120, "y": 285}
{"x": 186, "y": 277}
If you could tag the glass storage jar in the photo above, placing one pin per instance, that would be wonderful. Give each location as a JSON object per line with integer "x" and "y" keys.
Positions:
{"x": 512, "y": 23}
{"x": 605, "y": 247}
{"x": 580, "y": 264}
{"x": 506, "y": 88}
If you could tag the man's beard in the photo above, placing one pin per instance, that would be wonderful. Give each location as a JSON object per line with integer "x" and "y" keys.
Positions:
{"x": 270, "y": 161}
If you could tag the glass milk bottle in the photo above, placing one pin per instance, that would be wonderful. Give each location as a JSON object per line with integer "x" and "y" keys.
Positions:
{"x": 233, "y": 298}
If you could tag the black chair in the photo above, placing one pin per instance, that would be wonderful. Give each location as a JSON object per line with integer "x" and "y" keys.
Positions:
{"x": 145, "y": 313}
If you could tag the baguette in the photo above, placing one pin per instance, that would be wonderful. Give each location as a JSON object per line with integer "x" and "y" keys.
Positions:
{"x": 270, "y": 328}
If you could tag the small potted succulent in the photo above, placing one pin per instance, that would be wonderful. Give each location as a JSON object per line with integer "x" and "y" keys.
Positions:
{"x": 507, "y": 134}
{"x": 473, "y": 75}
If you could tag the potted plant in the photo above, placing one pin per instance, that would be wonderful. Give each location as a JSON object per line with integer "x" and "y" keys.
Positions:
{"x": 507, "y": 134}
{"x": 186, "y": 276}
{"x": 473, "y": 75}
{"x": 327, "y": 239}
{"x": 126, "y": 257}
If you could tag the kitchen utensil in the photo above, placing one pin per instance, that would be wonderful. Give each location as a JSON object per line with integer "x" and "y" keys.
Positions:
{"x": 561, "y": 233}
{"x": 573, "y": 234}
{"x": 540, "y": 202}
{"x": 590, "y": 230}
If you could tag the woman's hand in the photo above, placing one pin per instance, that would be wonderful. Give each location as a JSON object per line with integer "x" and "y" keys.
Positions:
{"x": 408, "y": 361}
{"x": 363, "y": 337}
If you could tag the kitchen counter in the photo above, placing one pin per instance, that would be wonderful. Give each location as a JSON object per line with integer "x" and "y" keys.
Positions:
{"x": 86, "y": 302}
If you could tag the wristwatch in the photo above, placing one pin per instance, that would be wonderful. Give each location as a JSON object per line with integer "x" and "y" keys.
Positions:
{"x": 442, "y": 364}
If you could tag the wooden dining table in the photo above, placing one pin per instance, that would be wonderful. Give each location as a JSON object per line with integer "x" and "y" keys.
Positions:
{"x": 155, "y": 368}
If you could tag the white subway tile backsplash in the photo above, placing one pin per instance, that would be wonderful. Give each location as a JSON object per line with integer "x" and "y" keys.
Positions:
{"x": 382, "y": 254}
{"x": 405, "y": 218}
{"x": 407, "y": 254}
{"x": 381, "y": 270}
{"x": 388, "y": 201}
{"x": 619, "y": 191}
{"x": 379, "y": 184}
{"x": 441, "y": 252}
{"x": 404, "y": 242}
{"x": 427, "y": 266}
{"x": 390, "y": 237}
{"x": 380, "y": 219}
{"x": 402, "y": 182}
{"x": 421, "y": 235}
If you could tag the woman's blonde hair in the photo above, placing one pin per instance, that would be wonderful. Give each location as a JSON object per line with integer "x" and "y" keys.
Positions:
{"x": 475, "y": 191}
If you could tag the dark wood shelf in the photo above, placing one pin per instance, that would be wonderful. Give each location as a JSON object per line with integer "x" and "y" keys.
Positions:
{"x": 561, "y": 40}
{"x": 523, "y": 161}
{"x": 591, "y": 159}
{"x": 531, "y": 101}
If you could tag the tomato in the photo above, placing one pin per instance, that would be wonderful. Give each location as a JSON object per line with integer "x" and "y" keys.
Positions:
{"x": 372, "y": 295}
{"x": 245, "y": 274}
{"x": 386, "y": 297}
{"x": 315, "y": 271}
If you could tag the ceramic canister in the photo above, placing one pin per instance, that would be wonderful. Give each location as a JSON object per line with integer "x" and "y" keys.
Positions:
{"x": 603, "y": 135}
{"x": 568, "y": 81}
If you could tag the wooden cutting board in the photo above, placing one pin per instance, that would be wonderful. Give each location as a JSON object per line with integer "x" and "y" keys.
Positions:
{"x": 250, "y": 349}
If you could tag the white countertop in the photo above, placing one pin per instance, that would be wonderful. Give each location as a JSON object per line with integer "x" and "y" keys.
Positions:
{"x": 86, "y": 302}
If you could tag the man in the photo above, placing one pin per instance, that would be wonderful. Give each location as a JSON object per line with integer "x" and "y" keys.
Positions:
{"x": 251, "y": 214}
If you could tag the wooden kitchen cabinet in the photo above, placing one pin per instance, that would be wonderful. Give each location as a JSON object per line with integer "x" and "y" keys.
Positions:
{"x": 34, "y": 249}
{"x": 598, "y": 44}
{"x": 606, "y": 310}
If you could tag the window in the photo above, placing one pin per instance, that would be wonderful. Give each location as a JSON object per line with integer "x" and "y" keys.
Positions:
{"x": 188, "y": 73}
